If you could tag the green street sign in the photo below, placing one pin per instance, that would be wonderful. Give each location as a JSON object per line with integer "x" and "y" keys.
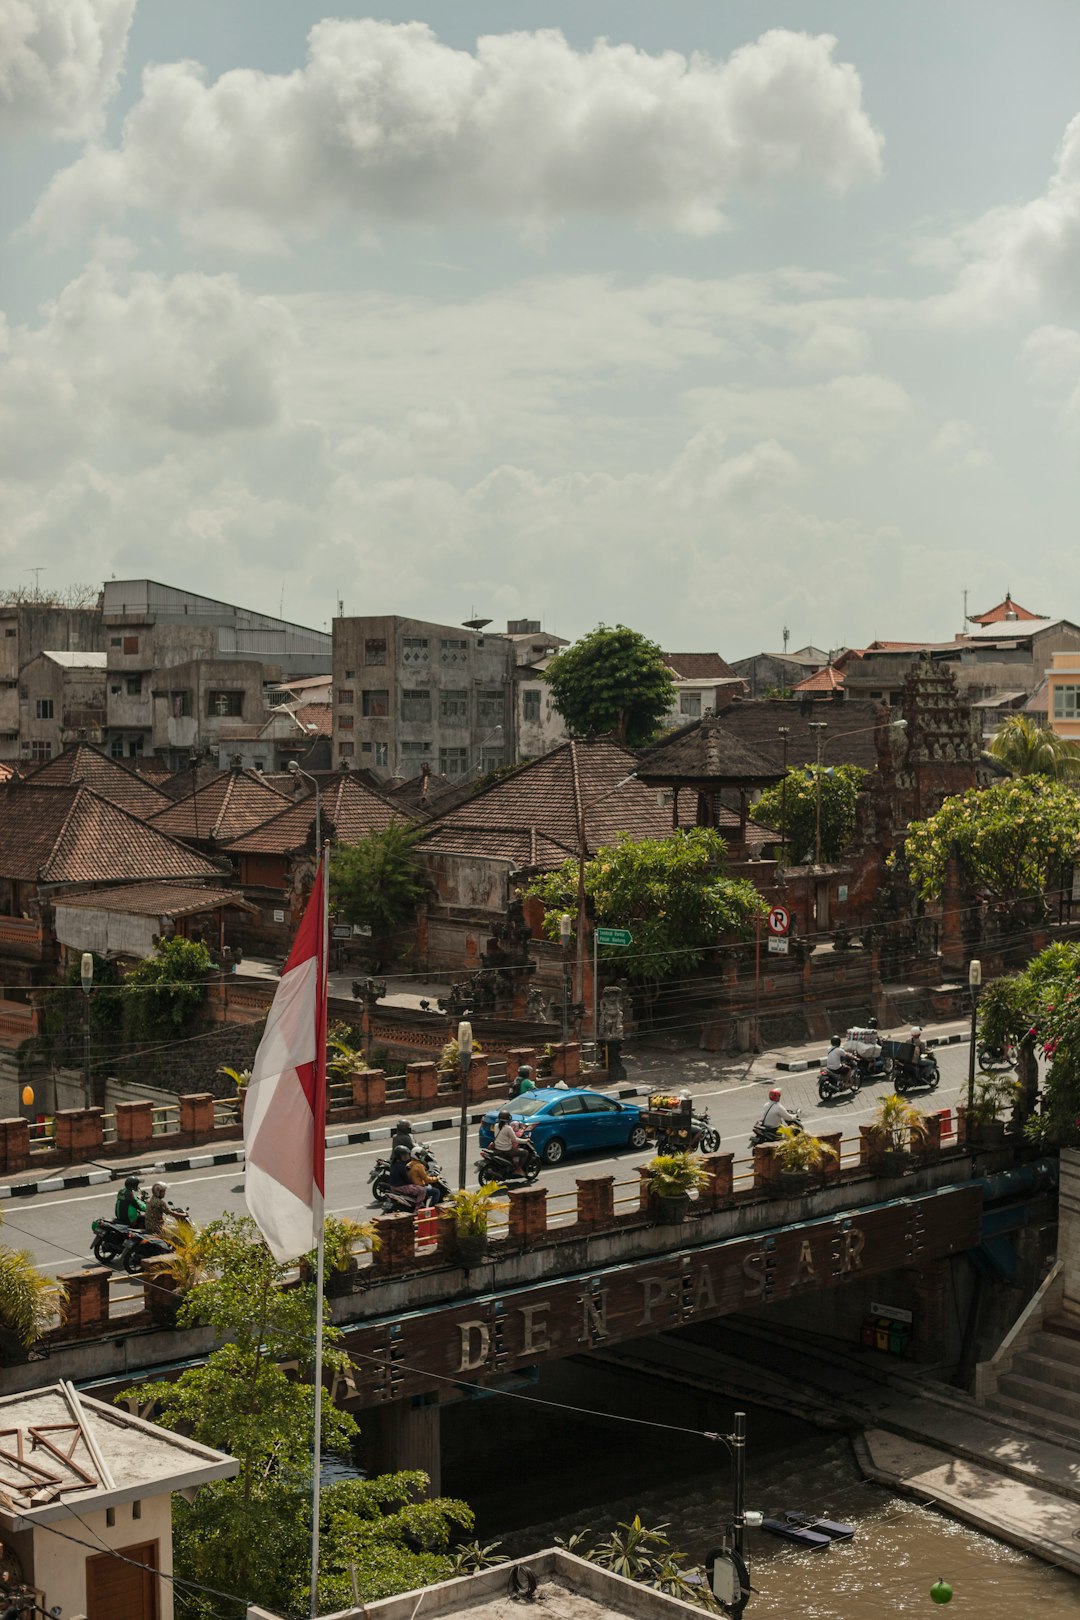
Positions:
{"x": 614, "y": 936}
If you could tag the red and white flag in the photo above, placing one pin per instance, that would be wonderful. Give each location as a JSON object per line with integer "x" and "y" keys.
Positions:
{"x": 285, "y": 1109}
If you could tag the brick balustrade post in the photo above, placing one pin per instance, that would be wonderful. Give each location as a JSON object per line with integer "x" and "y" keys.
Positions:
{"x": 369, "y": 1090}
{"x": 517, "y": 1056}
{"x": 478, "y": 1076}
{"x": 596, "y": 1202}
{"x": 197, "y": 1115}
{"x": 14, "y": 1146}
{"x": 161, "y": 1291}
{"x": 720, "y": 1189}
{"x": 87, "y": 1307}
{"x": 644, "y": 1196}
{"x": 397, "y": 1241}
{"x": 831, "y": 1165}
{"x": 134, "y": 1125}
{"x": 766, "y": 1166}
{"x": 566, "y": 1061}
{"x": 80, "y": 1132}
{"x": 868, "y": 1146}
{"x": 528, "y": 1215}
{"x": 928, "y": 1143}
{"x": 421, "y": 1083}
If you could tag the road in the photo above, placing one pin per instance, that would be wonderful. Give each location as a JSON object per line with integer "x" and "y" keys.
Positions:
{"x": 55, "y": 1227}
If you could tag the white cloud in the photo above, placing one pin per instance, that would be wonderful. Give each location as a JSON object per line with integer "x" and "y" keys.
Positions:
{"x": 846, "y": 408}
{"x": 129, "y": 358}
{"x": 384, "y": 122}
{"x": 1052, "y": 357}
{"x": 60, "y": 61}
{"x": 957, "y": 444}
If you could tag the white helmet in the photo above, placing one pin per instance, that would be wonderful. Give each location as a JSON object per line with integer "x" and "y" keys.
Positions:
{"x": 915, "y": 1032}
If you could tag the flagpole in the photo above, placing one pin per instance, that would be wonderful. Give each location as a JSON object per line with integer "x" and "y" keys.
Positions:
{"x": 320, "y": 1241}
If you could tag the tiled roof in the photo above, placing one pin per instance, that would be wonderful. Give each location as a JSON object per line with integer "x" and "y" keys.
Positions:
{"x": 755, "y": 721}
{"x": 523, "y": 846}
{"x": 1039, "y": 701}
{"x": 319, "y": 715}
{"x": 442, "y": 794}
{"x": 158, "y": 899}
{"x": 227, "y": 806}
{"x": 829, "y": 679}
{"x": 707, "y": 751}
{"x": 6, "y": 771}
{"x": 699, "y": 667}
{"x": 183, "y": 782}
{"x": 105, "y": 776}
{"x": 348, "y": 806}
{"x": 1004, "y": 610}
{"x": 58, "y": 834}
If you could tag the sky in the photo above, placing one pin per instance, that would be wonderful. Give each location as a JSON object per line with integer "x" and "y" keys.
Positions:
{"x": 713, "y": 318}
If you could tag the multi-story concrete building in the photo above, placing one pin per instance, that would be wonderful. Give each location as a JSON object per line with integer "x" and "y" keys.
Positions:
{"x": 61, "y": 700}
{"x": 27, "y": 628}
{"x": 181, "y": 667}
{"x": 1063, "y": 695}
{"x": 409, "y": 693}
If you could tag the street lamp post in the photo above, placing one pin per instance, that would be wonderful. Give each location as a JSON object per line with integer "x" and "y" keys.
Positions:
{"x": 566, "y": 923}
{"x": 821, "y": 727}
{"x": 86, "y": 976}
{"x": 974, "y": 984}
{"x": 464, "y": 1040}
{"x": 295, "y": 770}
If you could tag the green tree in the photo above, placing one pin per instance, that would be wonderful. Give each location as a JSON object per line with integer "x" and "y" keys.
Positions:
{"x": 1039, "y": 1007}
{"x": 65, "y": 1012}
{"x": 792, "y": 806}
{"x": 612, "y": 680}
{"x": 378, "y": 882}
{"x": 672, "y": 893}
{"x": 163, "y": 993}
{"x": 1012, "y": 839}
{"x": 251, "y": 1535}
{"x": 1027, "y": 749}
{"x": 30, "y": 1301}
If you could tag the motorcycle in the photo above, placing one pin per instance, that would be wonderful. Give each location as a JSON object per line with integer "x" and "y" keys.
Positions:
{"x": 110, "y": 1239}
{"x": 704, "y": 1138}
{"x": 997, "y": 1057}
{"x": 493, "y": 1166}
{"x": 380, "y": 1172}
{"x": 921, "y": 1076}
{"x": 396, "y": 1201}
{"x": 761, "y": 1134}
{"x": 127, "y": 1247}
{"x": 843, "y": 1082}
{"x": 874, "y": 1068}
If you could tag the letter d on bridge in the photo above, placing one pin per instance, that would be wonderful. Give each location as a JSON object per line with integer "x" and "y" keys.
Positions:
{"x": 475, "y": 1345}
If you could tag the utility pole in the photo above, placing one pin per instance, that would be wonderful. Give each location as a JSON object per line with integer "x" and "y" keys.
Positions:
{"x": 821, "y": 727}
{"x": 784, "y": 733}
{"x": 86, "y": 976}
{"x": 566, "y": 923}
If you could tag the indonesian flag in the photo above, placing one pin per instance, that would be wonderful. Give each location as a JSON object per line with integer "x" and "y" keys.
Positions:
{"x": 285, "y": 1110}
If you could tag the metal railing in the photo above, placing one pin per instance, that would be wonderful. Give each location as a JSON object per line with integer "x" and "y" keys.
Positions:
{"x": 226, "y": 1111}
{"x": 42, "y": 1134}
{"x": 165, "y": 1119}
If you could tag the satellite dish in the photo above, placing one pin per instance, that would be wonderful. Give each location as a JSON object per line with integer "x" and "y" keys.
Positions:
{"x": 476, "y": 624}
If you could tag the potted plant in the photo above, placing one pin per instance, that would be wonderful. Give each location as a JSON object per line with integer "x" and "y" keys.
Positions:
{"x": 450, "y": 1056}
{"x": 184, "y": 1267}
{"x": 993, "y": 1093}
{"x": 240, "y": 1079}
{"x": 470, "y": 1212}
{"x": 800, "y": 1157}
{"x": 897, "y": 1125}
{"x": 30, "y": 1304}
{"x": 342, "y": 1237}
{"x": 671, "y": 1178}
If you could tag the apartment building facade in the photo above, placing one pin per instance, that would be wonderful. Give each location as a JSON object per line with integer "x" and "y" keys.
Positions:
{"x": 29, "y": 628}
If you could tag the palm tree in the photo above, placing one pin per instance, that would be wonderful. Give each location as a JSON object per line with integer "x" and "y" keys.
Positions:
{"x": 1027, "y": 749}
{"x": 30, "y": 1302}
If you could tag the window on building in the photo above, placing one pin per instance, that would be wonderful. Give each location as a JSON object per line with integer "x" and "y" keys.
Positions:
{"x": 10, "y": 632}
{"x": 375, "y": 651}
{"x": 415, "y": 650}
{"x": 116, "y": 641}
{"x": 135, "y": 747}
{"x": 454, "y": 762}
{"x": 346, "y": 750}
{"x": 380, "y": 754}
{"x": 375, "y": 703}
{"x": 133, "y": 685}
{"x": 489, "y": 706}
{"x": 116, "y": 748}
{"x": 530, "y": 704}
{"x": 454, "y": 706}
{"x": 350, "y": 675}
{"x": 345, "y": 722}
{"x": 43, "y": 708}
{"x": 413, "y": 755}
{"x": 416, "y": 704}
{"x": 180, "y": 705}
{"x": 690, "y": 705}
{"x": 453, "y": 650}
{"x": 131, "y": 644}
{"x": 345, "y": 695}
{"x": 492, "y": 758}
{"x": 1066, "y": 702}
{"x": 40, "y": 751}
{"x": 222, "y": 704}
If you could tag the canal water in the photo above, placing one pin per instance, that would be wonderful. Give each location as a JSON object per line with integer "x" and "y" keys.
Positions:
{"x": 537, "y": 1472}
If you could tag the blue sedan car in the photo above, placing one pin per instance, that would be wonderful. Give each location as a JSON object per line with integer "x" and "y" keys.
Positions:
{"x": 577, "y": 1121}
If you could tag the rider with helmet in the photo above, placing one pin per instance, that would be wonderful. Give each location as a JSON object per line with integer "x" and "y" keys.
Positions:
{"x": 159, "y": 1210}
{"x": 129, "y": 1206}
{"x": 507, "y": 1140}
{"x": 776, "y": 1114}
{"x": 837, "y": 1061}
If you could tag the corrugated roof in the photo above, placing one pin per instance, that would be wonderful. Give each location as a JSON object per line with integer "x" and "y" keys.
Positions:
{"x": 105, "y": 776}
{"x": 51, "y": 833}
{"x": 350, "y": 810}
{"x": 222, "y": 809}
{"x": 158, "y": 899}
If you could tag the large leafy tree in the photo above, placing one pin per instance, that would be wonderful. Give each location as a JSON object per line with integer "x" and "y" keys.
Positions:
{"x": 1027, "y": 749}
{"x": 672, "y": 893}
{"x": 1013, "y": 840}
{"x": 251, "y": 1535}
{"x": 1040, "y": 1008}
{"x": 164, "y": 992}
{"x": 791, "y": 807}
{"x": 377, "y": 882}
{"x": 612, "y": 680}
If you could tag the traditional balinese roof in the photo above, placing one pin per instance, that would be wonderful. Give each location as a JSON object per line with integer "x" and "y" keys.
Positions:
{"x": 349, "y": 807}
{"x": 523, "y": 847}
{"x": 105, "y": 776}
{"x": 428, "y": 796}
{"x": 222, "y": 809}
{"x": 705, "y": 751}
{"x": 851, "y": 738}
{"x": 699, "y": 667}
{"x": 158, "y": 899}
{"x": 827, "y": 680}
{"x": 50, "y": 833}
{"x": 1006, "y": 610}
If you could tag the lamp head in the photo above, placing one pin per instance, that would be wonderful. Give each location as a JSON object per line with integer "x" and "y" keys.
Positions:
{"x": 86, "y": 971}
{"x": 974, "y": 973}
{"x": 294, "y": 767}
{"x": 566, "y": 924}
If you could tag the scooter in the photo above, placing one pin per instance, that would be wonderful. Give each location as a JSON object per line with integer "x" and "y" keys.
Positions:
{"x": 705, "y": 1138}
{"x": 380, "y": 1172}
{"x": 493, "y": 1166}
{"x": 921, "y": 1076}
{"x": 396, "y": 1201}
{"x": 997, "y": 1057}
{"x": 771, "y": 1133}
{"x": 874, "y": 1068}
{"x": 110, "y": 1239}
{"x": 843, "y": 1082}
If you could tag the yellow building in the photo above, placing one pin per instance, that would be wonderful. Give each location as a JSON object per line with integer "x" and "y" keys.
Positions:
{"x": 1063, "y": 694}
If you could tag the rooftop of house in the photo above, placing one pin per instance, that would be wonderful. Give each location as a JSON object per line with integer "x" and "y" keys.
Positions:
{"x": 422, "y": 795}
{"x": 305, "y": 683}
{"x": 1004, "y": 630}
{"x": 829, "y": 679}
{"x": 1039, "y": 701}
{"x": 850, "y": 739}
{"x": 229, "y": 804}
{"x": 1006, "y": 610}
{"x": 707, "y": 751}
{"x": 699, "y": 667}
{"x": 107, "y": 777}
{"x": 81, "y": 1454}
{"x": 348, "y": 806}
{"x": 158, "y": 899}
{"x": 52, "y": 833}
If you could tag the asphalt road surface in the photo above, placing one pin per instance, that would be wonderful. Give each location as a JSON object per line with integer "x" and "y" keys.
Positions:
{"x": 55, "y": 1227}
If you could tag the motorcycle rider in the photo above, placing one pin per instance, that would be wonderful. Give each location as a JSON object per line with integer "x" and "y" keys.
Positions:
{"x": 524, "y": 1082}
{"x": 402, "y": 1184}
{"x": 837, "y": 1061}
{"x": 159, "y": 1210}
{"x": 775, "y": 1113}
{"x": 507, "y": 1140}
{"x": 129, "y": 1206}
{"x": 402, "y": 1137}
{"x": 428, "y": 1184}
